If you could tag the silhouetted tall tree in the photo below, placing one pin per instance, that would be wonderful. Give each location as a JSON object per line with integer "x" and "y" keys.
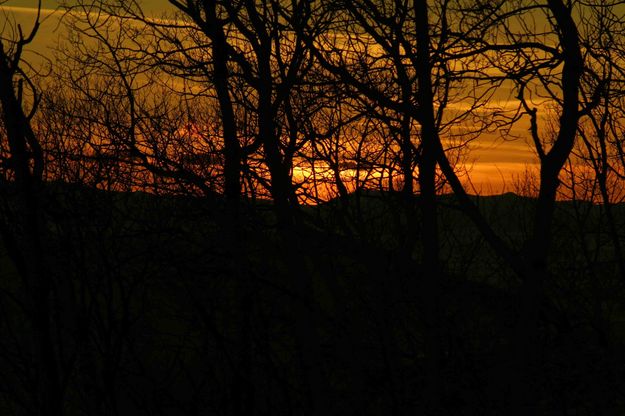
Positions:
{"x": 22, "y": 225}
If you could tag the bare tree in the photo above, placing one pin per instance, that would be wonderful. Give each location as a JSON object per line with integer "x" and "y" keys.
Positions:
{"x": 279, "y": 305}
{"x": 22, "y": 226}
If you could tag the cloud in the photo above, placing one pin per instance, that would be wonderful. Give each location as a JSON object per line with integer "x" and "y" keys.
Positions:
{"x": 28, "y": 10}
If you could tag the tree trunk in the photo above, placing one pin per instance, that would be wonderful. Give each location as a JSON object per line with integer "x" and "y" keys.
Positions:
{"x": 427, "y": 183}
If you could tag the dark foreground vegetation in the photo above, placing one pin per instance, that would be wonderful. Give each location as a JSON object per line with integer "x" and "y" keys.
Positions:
{"x": 262, "y": 207}
{"x": 154, "y": 311}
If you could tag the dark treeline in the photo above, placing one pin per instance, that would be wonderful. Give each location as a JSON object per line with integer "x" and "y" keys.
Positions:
{"x": 263, "y": 207}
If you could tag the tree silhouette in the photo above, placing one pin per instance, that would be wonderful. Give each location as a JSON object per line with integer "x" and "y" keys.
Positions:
{"x": 241, "y": 207}
{"x": 22, "y": 223}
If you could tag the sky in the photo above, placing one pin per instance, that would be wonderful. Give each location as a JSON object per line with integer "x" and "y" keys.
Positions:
{"x": 150, "y": 5}
{"x": 494, "y": 164}
{"x": 25, "y": 16}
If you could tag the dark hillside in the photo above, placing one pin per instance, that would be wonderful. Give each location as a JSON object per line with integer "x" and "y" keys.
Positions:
{"x": 155, "y": 312}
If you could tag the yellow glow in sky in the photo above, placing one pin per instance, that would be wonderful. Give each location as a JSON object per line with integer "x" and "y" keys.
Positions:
{"x": 492, "y": 163}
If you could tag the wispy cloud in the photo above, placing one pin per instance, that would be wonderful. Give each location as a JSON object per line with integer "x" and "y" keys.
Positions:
{"x": 28, "y": 10}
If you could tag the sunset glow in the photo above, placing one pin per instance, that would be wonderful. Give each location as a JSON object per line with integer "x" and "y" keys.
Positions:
{"x": 491, "y": 165}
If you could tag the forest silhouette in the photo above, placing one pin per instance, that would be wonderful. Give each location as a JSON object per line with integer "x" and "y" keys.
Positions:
{"x": 266, "y": 207}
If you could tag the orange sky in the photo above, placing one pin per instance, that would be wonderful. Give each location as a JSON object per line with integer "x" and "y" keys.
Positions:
{"x": 494, "y": 164}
